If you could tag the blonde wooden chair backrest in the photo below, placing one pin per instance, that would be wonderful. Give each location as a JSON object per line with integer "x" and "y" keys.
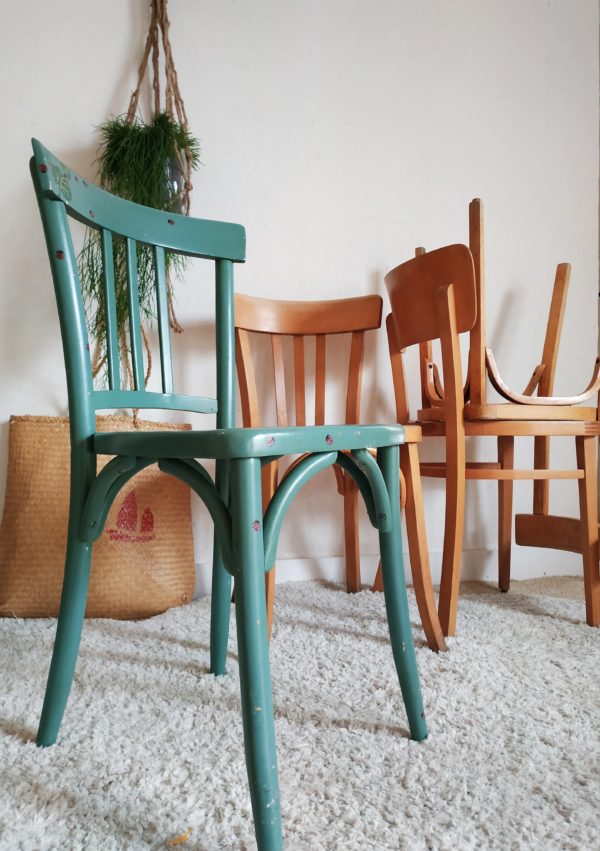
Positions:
{"x": 298, "y": 320}
{"x": 412, "y": 289}
{"x": 432, "y": 297}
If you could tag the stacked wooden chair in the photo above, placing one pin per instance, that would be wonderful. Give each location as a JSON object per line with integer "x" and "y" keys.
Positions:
{"x": 440, "y": 295}
{"x": 288, "y": 326}
{"x": 246, "y": 541}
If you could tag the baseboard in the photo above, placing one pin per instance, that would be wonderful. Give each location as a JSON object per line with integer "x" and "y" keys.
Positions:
{"x": 527, "y": 563}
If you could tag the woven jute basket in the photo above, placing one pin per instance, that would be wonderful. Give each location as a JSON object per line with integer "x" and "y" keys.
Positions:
{"x": 142, "y": 564}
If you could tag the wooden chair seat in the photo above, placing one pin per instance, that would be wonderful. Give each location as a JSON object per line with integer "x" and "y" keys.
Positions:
{"x": 507, "y": 411}
{"x": 432, "y": 426}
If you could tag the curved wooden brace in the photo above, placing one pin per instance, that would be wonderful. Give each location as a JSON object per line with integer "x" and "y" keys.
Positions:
{"x": 195, "y": 476}
{"x": 283, "y": 496}
{"x": 349, "y": 464}
{"x": 198, "y": 468}
{"x": 535, "y": 379}
{"x": 339, "y": 476}
{"x": 373, "y": 453}
{"x": 369, "y": 466}
{"x": 103, "y": 493}
{"x": 434, "y": 387}
{"x": 522, "y": 399}
{"x": 366, "y": 474}
{"x": 340, "y": 480}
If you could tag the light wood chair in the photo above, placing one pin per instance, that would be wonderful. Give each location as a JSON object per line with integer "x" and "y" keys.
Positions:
{"x": 441, "y": 294}
{"x": 299, "y": 321}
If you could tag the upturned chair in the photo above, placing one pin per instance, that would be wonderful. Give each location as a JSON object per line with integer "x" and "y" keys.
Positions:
{"x": 436, "y": 296}
{"x": 246, "y": 542}
{"x": 538, "y": 529}
{"x": 290, "y": 325}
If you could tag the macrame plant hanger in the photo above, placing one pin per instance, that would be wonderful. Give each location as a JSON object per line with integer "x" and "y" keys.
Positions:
{"x": 160, "y": 21}
{"x": 158, "y": 33}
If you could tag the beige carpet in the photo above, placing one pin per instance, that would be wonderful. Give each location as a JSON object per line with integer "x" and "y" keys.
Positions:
{"x": 151, "y": 743}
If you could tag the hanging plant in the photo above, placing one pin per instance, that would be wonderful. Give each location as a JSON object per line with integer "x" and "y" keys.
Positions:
{"x": 150, "y": 164}
{"x": 144, "y": 162}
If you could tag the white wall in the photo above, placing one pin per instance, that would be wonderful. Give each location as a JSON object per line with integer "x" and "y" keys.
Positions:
{"x": 342, "y": 134}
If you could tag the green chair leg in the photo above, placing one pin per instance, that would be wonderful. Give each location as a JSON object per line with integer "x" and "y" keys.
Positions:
{"x": 220, "y": 608}
{"x": 220, "y": 604}
{"x": 396, "y": 601}
{"x": 68, "y": 636}
{"x": 253, "y": 650}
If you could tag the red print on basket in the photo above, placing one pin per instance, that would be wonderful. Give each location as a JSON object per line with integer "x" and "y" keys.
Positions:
{"x": 127, "y": 529}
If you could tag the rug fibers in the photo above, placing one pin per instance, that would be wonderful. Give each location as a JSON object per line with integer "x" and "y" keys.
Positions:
{"x": 151, "y": 744}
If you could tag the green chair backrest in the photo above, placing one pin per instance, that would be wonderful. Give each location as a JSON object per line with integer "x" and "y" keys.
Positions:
{"x": 62, "y": 194}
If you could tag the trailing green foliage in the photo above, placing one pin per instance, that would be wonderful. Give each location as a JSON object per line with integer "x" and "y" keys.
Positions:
{"x": 90, "y": 264}
{"x": 142, "y": 163}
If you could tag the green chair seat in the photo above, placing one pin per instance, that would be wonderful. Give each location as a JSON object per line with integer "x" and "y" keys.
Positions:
{"x": 246, "y": 442}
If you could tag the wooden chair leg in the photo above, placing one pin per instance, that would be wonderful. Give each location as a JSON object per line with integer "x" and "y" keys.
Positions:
{"x": 378, "y": 582}
{"x": 396, "y": 602}
{"x": 455, "y": 458}
{"x": 270, "y": 597}
{"x": 453, "y": 536}
{"x": 68, "y": 636}
{"x": 352, "y": 547}
{"x": 506, "y": 457}
{"x": 417, "y": 546}
{"x": 269, "y": 475}
{"x": 412, "y": 502}
{"x": 588, "y": 505}
{"x": 541, "y": 461}
{"x": 253, "y": 653}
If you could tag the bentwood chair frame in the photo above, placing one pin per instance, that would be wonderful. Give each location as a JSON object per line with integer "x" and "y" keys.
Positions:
{"x": 536, "y": 402}
{"x": 294, "y": 325}
{"x": 454, "y": 297}
{"x": 246, "y": 542}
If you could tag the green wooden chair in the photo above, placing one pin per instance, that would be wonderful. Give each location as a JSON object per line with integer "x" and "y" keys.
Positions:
{"x": 245, "y": 541}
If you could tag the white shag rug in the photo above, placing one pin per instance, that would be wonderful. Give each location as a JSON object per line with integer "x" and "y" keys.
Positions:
{"x": 151, "y": 744}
